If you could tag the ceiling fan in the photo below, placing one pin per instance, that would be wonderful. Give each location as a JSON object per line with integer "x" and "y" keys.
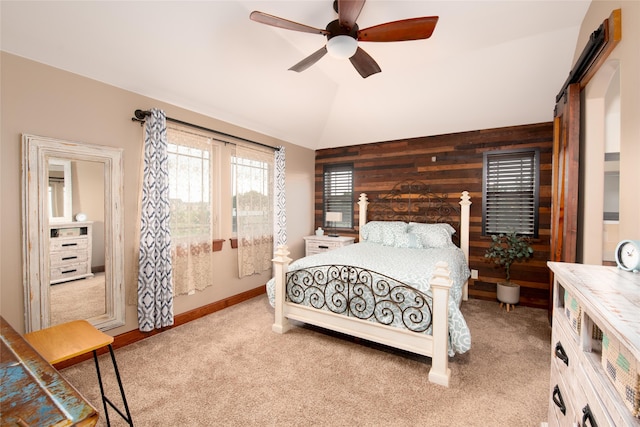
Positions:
{"x": 343, "y": 35}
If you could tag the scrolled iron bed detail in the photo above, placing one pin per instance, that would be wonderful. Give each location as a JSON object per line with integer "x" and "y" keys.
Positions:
{"x": 343, "y": 289}
{"x": 373, "y": 306}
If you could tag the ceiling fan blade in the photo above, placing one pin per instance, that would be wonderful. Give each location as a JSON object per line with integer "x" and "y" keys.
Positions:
{"x": 396, "y": 31}
{"x": 348, "y": 12}
{"x": 364, "y": 63}
{"x": 275, "y": 21}
{"x": 309, "y": 60}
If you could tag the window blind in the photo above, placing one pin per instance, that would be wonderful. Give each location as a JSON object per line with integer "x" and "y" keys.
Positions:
{"x": 510, "y": 199}
{"x": 338, "y": 194}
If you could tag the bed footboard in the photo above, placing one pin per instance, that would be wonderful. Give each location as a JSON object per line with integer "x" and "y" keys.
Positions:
{"x": 369, "y": 305}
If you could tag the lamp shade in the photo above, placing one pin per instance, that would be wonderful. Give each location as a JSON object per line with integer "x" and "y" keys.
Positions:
{"x": 342, "y": 47}
{"x": 333, "y": 216}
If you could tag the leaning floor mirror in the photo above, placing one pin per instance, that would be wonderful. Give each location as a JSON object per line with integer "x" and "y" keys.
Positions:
{"x": 72, "y": 233}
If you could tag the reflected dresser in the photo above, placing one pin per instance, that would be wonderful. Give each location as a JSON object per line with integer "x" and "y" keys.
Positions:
{"x": 69, "y": 251}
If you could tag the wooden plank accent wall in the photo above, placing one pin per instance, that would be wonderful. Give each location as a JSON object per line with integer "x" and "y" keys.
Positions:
{"x": 457, "y": 167}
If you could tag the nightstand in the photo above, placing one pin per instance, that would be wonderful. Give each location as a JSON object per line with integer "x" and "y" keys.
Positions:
{"x": 317, "y": 244}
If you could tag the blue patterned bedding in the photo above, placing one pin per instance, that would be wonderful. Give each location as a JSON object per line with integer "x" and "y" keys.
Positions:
{"x": 411, "y": 266}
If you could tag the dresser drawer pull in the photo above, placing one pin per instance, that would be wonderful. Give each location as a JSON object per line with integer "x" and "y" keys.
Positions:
{"x": 561, "y": 354}
{"x": 69, "y": 244}
{"x": 67, "y": 258}
{"x": 558, "y": 400}
{"x": 588, "y": 416}
{"x": 323, "y": 247}
{"x": 69, "y": 271}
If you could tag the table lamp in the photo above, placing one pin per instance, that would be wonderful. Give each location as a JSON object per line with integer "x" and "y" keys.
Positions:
{"x": 333, "y": 217}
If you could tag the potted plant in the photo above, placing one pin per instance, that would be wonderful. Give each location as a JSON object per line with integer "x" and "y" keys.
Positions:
{"x": 505, "y": 249}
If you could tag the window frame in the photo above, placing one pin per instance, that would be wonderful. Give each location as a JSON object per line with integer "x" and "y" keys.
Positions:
{"x": 233, "y": 165}
{"x": 529, "y": 153}
{"x": 214, "y": 149}
{"x": 347, "y": 208}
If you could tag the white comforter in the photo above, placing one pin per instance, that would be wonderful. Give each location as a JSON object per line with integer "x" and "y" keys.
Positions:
{"x": 411, "y": 266}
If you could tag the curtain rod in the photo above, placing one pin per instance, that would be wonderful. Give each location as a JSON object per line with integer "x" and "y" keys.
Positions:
{"x": 141, "y": 115}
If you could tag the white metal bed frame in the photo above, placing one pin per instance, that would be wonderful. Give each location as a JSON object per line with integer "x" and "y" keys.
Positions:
{"x": 434, "y": 346}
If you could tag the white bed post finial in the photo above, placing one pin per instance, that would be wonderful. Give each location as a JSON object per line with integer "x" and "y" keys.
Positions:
{"x": 362, "y": 203}
{"x": 465, "y": 204}
{"x": 280, "y": 265}
{"x": 440, "y": 285}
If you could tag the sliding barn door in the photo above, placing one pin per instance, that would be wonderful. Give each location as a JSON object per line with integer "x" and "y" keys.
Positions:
{"x": 566, "y": 141}
{"x": 566, "y": 157}
{"x": 565, "y": 190}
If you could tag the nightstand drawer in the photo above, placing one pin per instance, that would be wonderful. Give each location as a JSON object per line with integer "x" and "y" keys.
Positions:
{"x": 319, "y": 244}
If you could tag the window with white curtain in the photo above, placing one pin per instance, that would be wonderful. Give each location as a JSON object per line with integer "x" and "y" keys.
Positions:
{"x": 252, "y": 181}
{"x": 194, "y": 208}
{"x": 510, "y": 192}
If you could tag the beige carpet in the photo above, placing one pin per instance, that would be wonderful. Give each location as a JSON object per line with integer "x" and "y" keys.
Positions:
{"x": 230, "y": 369}
{"x": 77, "y": 299}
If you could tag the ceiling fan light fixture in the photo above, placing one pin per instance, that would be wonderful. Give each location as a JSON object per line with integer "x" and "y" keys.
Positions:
{"x": 342, "y": 47}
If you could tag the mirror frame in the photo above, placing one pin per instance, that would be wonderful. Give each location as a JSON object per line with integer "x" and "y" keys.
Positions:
{"x": 36, "y": 152}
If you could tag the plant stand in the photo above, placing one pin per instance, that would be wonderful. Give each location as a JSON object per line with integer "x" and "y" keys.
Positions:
{"x": 509, "y": 294}
{"x": 508, "y": 306}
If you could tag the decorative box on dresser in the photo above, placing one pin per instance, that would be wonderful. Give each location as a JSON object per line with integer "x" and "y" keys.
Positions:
{"x": 317, "y": 244}
{"x": 595, "y": 347}
{"x": 69, "y": 251}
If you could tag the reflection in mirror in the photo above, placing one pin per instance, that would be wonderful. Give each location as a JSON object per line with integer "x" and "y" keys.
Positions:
{"x": 76, "y": 249}
{"x": 73, "y": 269}
{"x": 60, "y": 190}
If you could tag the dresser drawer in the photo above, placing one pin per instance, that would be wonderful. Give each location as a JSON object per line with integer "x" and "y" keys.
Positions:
{"x": 563, "y": 352}
{"x": 62, "y": 258}
{"x": 590, "y": 410}
{"x": 561, "y": 411}
{"x": 68, "y": 243}
{"x": 69, "y": 272}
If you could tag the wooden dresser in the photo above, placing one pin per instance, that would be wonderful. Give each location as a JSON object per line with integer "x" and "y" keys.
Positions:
{"x": 69, "y": 251}
{"x": 317, "y": 244}
{"x": 595, "y": 347}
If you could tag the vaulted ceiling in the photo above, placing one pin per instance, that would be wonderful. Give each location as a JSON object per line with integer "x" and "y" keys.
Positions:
{"x": 488, "y": 63}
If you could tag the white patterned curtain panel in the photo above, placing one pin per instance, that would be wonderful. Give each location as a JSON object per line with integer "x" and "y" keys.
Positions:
{"x": 155, "y": 294}
{"x": 254, "y": 210}
{"x": 280, "y": 200}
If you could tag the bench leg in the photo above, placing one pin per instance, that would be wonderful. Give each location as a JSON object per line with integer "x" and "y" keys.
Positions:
{"x": 105, "y": 399}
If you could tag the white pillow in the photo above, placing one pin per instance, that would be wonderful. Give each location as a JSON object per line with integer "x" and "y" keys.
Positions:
{"x": 433, "y": 235}
{"x": 371, "y": 232}
{"x": 382, "y": 231}
{"x": 445, "y": 226}
{"x": 407, "y": 240}
{"x": 390, "y": 230}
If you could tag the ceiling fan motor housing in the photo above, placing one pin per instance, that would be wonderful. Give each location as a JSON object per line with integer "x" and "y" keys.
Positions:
{"x": 335, "y": 29}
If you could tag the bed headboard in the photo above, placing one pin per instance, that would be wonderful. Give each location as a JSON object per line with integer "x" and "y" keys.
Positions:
{"x": 413, "y": 201}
